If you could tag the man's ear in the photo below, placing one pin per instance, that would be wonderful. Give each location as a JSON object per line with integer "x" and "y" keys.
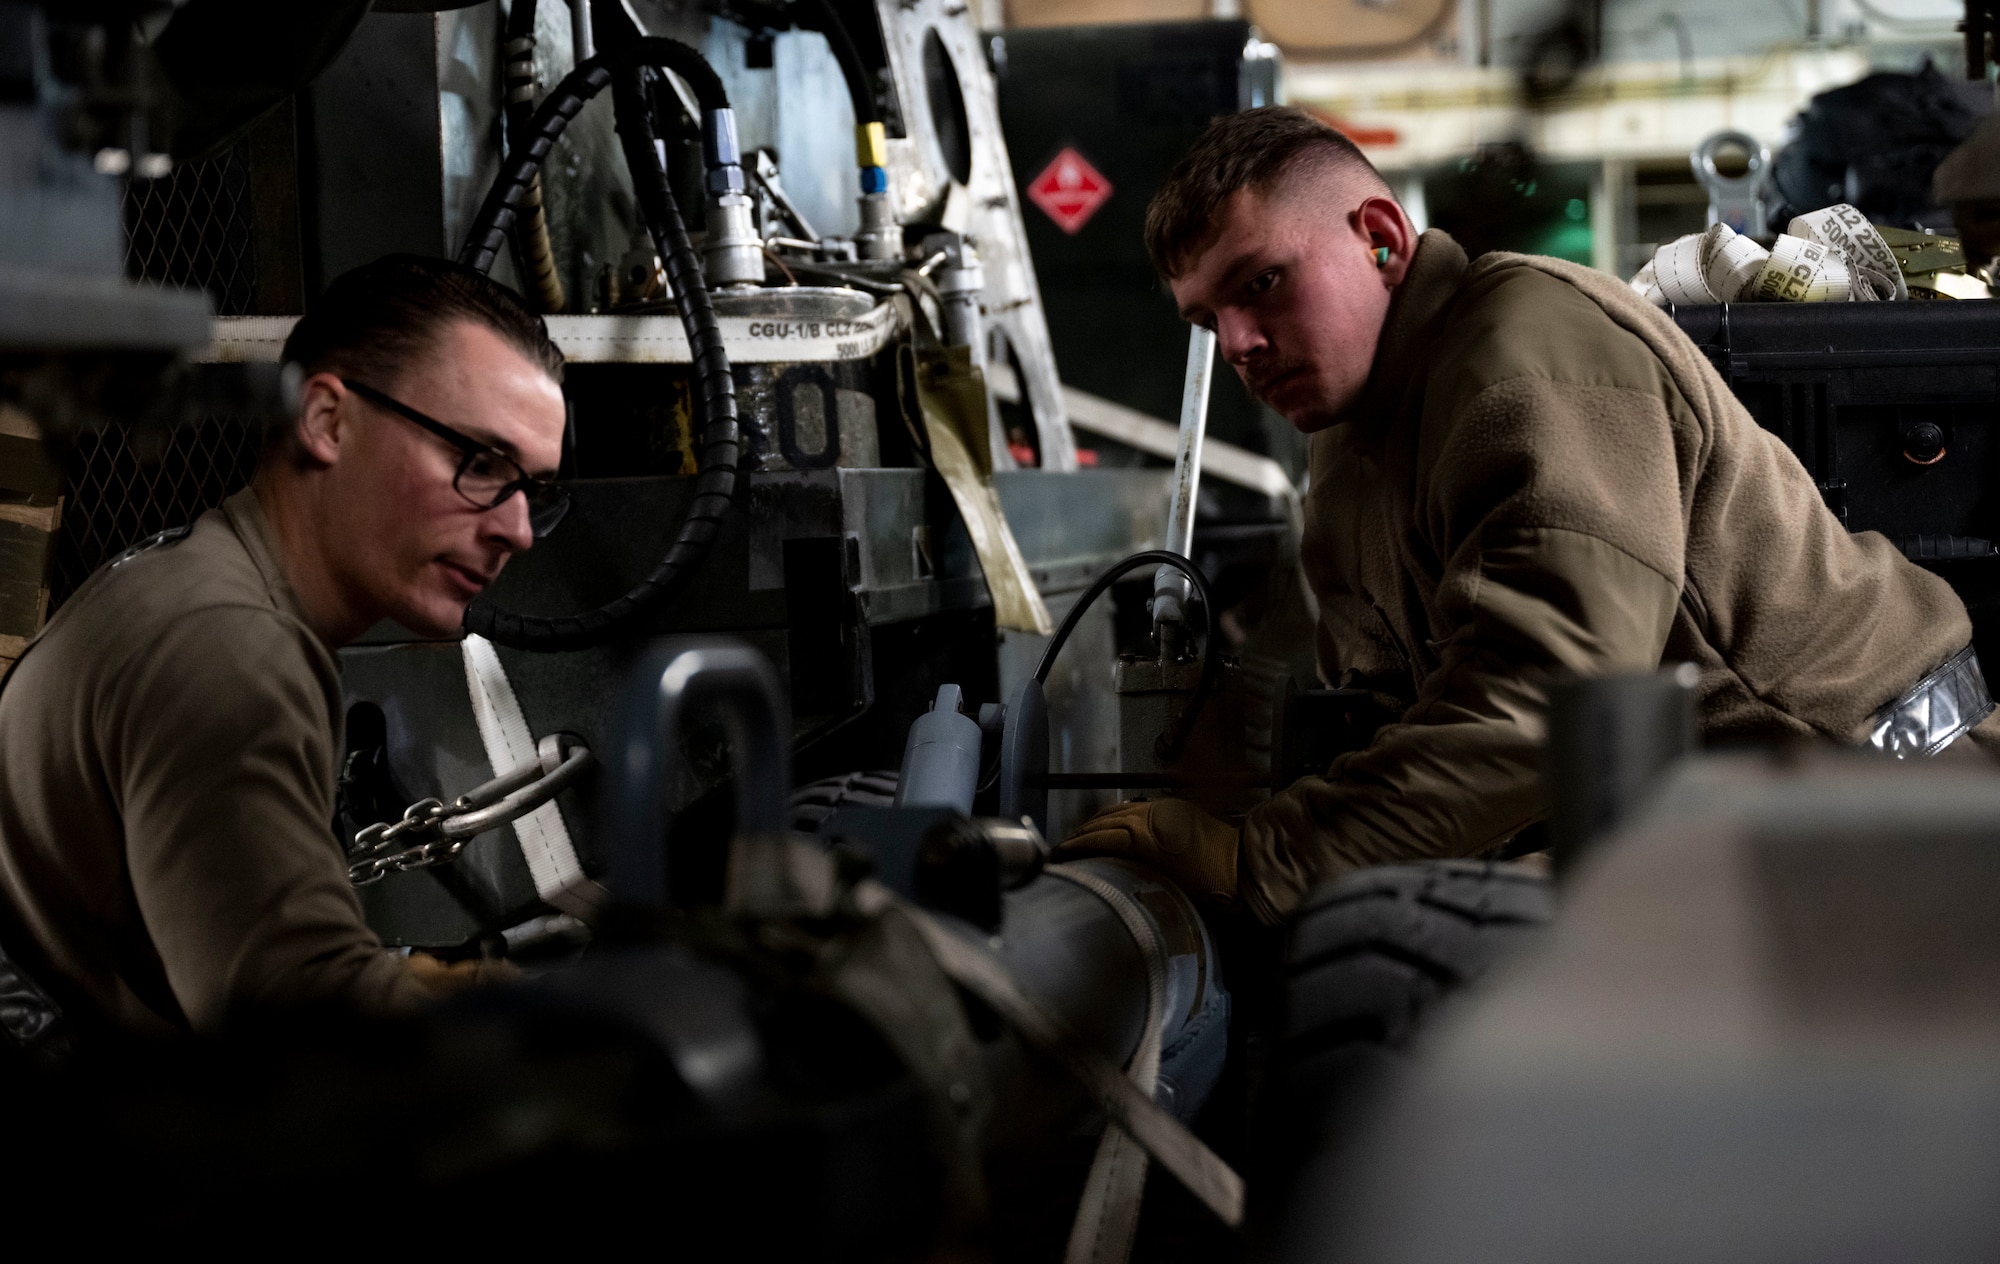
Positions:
{"x": 322, "y": 422}
{"x": 1383, "y": 226}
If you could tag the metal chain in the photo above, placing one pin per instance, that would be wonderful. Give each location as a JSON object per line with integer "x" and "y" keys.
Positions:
{"x": 374, "y": 857}
{"x": 433, "y": 832}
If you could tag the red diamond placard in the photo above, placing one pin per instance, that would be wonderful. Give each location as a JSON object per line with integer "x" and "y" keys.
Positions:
{"x": 1069, "y": 190}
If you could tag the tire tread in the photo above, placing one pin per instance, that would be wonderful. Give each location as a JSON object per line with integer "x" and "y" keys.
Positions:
{"x": 1442, "y": 923}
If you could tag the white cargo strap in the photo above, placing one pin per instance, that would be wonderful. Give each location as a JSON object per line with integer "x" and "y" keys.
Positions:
{"x": 1162, "y": 1136}
{"x": 1107, "y": 1219}
{"x": 1830, "y": 255}
{"x": 503, "y": 731}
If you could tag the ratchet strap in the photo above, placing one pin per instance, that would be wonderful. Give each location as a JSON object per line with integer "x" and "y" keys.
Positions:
{"x": 1107, "y": 1219}
{"x": 1933, "y": 713}
{"x": 544, "y": 838}
{"x": 1827, "y": 256}
{"x": 1162, "y": 1136}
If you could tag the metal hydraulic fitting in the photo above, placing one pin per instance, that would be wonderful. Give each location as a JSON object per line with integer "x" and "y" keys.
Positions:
{"x": 733, "y": 254}
{"x": 961, "y": 283}
{"x": 880, "y": 236}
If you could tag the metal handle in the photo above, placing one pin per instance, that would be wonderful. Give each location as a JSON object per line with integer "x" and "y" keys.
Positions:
{"x": 740, "y": 683}
{"x": 433, "y": 833}
{"x": 560, "y": 760}
{"x": 1733, "y": 199}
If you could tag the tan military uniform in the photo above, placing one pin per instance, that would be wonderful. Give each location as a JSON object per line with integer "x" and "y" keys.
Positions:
{"x": 1544, "y": 477}
{"x": 168, "y": 751}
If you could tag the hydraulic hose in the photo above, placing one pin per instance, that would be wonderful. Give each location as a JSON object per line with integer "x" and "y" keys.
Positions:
{"x": 715, "y": 485}
{"x": 531, "y": 232}
{"x": 871, "y": 151}
{"x": 1169, "y": 744}
{"x": 488, "y": 236}
{"x": 841, "y": 41}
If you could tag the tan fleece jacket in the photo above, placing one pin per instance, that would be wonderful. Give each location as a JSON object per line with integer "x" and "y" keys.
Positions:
{"x": 1545, "y": 477}
{"x": 167, "y": 749}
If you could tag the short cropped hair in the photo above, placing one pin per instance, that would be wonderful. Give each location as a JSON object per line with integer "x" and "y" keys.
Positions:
{"x": 1252, "y": 150}
{"x": 377, "y": 320}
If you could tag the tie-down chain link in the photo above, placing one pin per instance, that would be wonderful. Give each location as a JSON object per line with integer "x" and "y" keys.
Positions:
{"x": 433, "y": 832}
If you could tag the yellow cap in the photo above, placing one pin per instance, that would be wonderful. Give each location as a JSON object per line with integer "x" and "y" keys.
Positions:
{"x": 871, "y": 146}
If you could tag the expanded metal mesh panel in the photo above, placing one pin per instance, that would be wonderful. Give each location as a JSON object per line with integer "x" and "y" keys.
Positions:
{"x": 191, "y": 229}
{"x": 116, "y": 499}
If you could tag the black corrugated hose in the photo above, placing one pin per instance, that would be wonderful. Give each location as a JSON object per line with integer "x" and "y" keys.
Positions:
{"x": 715, "y": 486}
{"x": 531, "y": 233}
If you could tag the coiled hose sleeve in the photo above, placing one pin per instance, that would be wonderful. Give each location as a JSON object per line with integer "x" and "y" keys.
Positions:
{"x": 715, "y": 486}
{"x": 488, "y": 236}
{"x": 531, "y": 233}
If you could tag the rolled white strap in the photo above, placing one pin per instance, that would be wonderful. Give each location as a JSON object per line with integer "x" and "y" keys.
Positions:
{"x": 1848, "y": 233}
{"x": 1827, "y": 256}
{"x": 1799, "y": 270}
{"x": 544, "y": 838}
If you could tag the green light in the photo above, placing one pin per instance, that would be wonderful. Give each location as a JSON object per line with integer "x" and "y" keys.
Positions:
{"x": 1564, "y": 241}
{"x": 1576, "y": 210}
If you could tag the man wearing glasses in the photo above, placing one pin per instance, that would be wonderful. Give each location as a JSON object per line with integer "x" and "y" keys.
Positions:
{"x": 168, "y": 744}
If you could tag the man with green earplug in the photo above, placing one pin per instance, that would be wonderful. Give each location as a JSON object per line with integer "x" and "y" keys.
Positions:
{"x": 1520, "y": 471}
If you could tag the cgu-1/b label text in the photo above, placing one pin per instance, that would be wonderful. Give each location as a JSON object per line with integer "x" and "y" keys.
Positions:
{"x": 810, "y": 329}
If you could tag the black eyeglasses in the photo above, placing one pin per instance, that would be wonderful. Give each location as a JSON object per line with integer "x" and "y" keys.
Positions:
{"x": 486, "y": 476}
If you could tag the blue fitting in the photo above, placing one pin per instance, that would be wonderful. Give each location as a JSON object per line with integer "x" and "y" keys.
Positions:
{"x": 874, "y": 180}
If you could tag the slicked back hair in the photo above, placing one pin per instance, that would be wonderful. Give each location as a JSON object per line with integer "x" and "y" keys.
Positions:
{"x": 377, "y": 320}
{"x": 1252, "y": 150}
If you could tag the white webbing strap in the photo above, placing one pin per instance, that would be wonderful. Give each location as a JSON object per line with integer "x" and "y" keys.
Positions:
{"x": 503, "y": 731}
{"x": 1830, "y": 255}
{"x": 1107, "y": 1219}
{"x": 1162, "y": 1136}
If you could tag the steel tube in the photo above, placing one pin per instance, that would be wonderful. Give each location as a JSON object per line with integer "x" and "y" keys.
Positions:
{"x": 536, "y": 788}
{"x": 1170, "y": 587}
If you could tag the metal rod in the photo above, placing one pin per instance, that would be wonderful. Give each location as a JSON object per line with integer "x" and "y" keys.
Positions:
{"x": 534, "y": 789}
{"x": 1194, "y": 426}
{"x": 582, "y": 46}
{"x": 1170, "y": 587}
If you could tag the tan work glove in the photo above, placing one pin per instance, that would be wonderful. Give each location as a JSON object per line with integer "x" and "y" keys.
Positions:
{"x": 446, "y": 978}
{"x": 1190, "y": 846}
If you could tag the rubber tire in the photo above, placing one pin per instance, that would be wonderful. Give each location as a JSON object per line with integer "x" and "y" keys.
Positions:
{"x": 1369, "y": 958}
{"x": 816, "y": 800}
